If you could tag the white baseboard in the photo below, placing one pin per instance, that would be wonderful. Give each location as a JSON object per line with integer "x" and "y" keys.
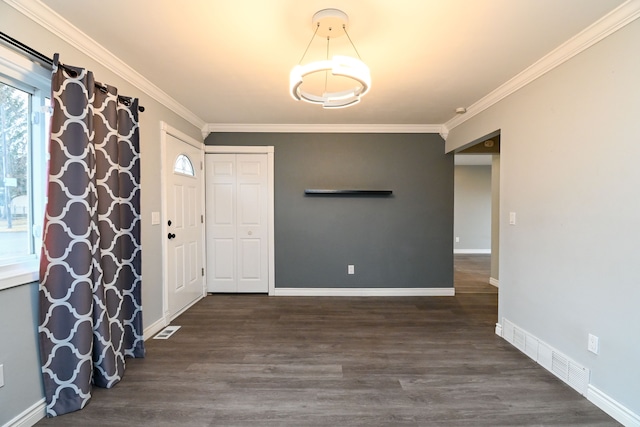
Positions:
{"x": 164, "y": 321}
{"x": 37, "y": 411}
{"x": 364, "y": 292}
{"x": 494, "y": 282}
{"x": 498, "y": 329}
{"x": 559, "y": 364}
{"x": 618, "y": 412}
{"x": 155, "y": 327}
{"x": 567, "y": 370}
{"x": 471, "y": 251}
{"x": 29, "y": 416}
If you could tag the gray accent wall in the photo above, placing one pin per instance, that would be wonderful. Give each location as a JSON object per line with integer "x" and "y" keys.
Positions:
{"x": 398, "y": 241}
{"x": 569, "y": 170}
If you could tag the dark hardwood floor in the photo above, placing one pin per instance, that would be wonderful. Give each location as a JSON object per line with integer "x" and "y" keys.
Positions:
{"x": 253, "y": 360}
{"x": 471, "y": 274}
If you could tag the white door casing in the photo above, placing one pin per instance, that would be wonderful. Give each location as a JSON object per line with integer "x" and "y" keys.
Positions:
{"x": 183, "y": 228}
{"x": 239, "y": 199}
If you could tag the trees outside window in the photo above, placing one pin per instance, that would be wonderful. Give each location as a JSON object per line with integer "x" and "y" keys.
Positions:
{"x": 15, "y": 211}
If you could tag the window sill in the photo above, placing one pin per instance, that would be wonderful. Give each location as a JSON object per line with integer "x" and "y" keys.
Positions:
{"x": 19, "y": 274}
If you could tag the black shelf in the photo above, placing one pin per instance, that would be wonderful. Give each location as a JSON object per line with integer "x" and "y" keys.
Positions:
{"x": 321, "y": 192}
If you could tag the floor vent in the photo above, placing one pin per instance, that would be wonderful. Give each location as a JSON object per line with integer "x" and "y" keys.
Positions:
{"x": 551, "y": 359}
{"x": 166, "y": 332}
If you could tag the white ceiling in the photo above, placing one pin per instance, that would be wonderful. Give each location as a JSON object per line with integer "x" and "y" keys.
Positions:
{"x": 229, "y": 61}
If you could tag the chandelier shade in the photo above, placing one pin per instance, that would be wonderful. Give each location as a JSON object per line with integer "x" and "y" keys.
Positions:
{"x": 353, "y": 71}
{"x": 343, "y": 66}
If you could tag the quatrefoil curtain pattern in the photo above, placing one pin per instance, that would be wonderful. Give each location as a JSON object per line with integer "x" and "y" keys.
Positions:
{"x": 90, "y": 265}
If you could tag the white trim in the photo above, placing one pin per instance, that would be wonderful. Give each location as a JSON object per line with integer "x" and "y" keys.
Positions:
{"x": 364, "y": 292}
{"x": 29, "y": 416}
{"x": 269, "y": 150}
{"x": 319, "y": 128}
{"x": 180, "y": 135}
{"x": 271, "y": 209}
{"x": 553, "y": 360}
{"x": 19, "y": 274}
{"x": 498, "y": 329}
{"x": 605, "y": 26}
{"x": 233, "y": 149}
{"x": 472, "y": 251}
{"x": 617, "y": 411}
{"x": 20, "y": 71}
{"x": 494, "y": 282}
{"x": 19, "y": 67}
{"x": 50, "y": 20}
{"x": 164, "y": 131}
{"x": 155, "y": 327}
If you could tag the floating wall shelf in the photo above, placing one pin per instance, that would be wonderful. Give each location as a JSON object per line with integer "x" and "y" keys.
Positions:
{"x": 321, "y": 192}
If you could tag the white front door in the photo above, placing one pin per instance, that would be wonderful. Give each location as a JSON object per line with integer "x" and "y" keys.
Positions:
{"x": 237, "y": 229}
{"x": 183, "y": 224}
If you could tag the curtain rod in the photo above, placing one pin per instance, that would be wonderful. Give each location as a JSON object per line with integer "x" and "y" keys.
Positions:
{"x": 43, "y": 59}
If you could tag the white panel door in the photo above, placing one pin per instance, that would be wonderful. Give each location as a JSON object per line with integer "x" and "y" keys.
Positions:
{"x": 183, "y": 225}
{"x": 237, "y": 229}
{"x": 220, "y": 193}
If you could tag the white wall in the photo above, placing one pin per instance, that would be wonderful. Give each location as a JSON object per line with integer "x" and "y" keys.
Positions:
{"x": 472, "y": 209}
{"x": 18, "y": 344}
{"x": 570, "y": 147}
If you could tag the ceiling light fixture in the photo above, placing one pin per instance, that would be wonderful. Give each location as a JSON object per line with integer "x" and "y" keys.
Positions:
{"x": 353, "y": 73}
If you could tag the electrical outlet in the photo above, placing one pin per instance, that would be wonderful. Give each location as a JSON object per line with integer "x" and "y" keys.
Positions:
{"x": 593, "y": 345}
{"x": 1, "y": 375}
{"x": 351, "y": 269}
{"x": 457, "y": 240}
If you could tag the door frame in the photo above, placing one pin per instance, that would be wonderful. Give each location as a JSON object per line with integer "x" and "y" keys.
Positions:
{"x": 269, "y": 151}
{"x": 165, "y": 130}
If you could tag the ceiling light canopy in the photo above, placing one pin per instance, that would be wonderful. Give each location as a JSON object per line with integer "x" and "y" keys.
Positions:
{"x": 331, "y": 23}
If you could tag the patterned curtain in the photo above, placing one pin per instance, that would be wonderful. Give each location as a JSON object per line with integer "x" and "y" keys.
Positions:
{"x": 90, "y": 268}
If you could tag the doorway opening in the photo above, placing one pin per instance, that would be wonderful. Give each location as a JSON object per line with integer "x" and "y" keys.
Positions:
{"x": 476, "y": 216}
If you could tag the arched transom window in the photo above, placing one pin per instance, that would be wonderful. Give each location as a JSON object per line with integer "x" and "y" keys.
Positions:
{"x": 184, "y": 166}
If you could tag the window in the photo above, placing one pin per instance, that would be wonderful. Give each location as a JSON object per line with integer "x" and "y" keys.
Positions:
{"x": 183, "y": 166}
{"x": 24, "y": 88}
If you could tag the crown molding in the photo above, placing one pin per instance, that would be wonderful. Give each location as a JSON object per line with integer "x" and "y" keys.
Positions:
{"x": 56, "y": 24}
{"x": 319, "y": 128}
{"x": 624, "y": 14}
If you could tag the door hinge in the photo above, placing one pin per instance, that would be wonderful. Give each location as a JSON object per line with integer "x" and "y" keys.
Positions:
{"x": 201, "y": 219}
{"x": 202, "y": 271}
{"x": 201, "y": 165}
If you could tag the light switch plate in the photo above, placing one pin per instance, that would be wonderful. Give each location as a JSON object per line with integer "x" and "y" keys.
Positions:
{"x": 1, "y": 375}
{"x": 593, "y": 344}
{"x": 155, "y": 218}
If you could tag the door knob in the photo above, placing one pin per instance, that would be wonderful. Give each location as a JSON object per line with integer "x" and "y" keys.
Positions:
{"x": 171, "y": 236}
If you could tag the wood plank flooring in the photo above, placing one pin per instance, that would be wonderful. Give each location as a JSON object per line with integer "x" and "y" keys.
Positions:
{"x": 253, "y": 360}
{"x": 471, "y": 274}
